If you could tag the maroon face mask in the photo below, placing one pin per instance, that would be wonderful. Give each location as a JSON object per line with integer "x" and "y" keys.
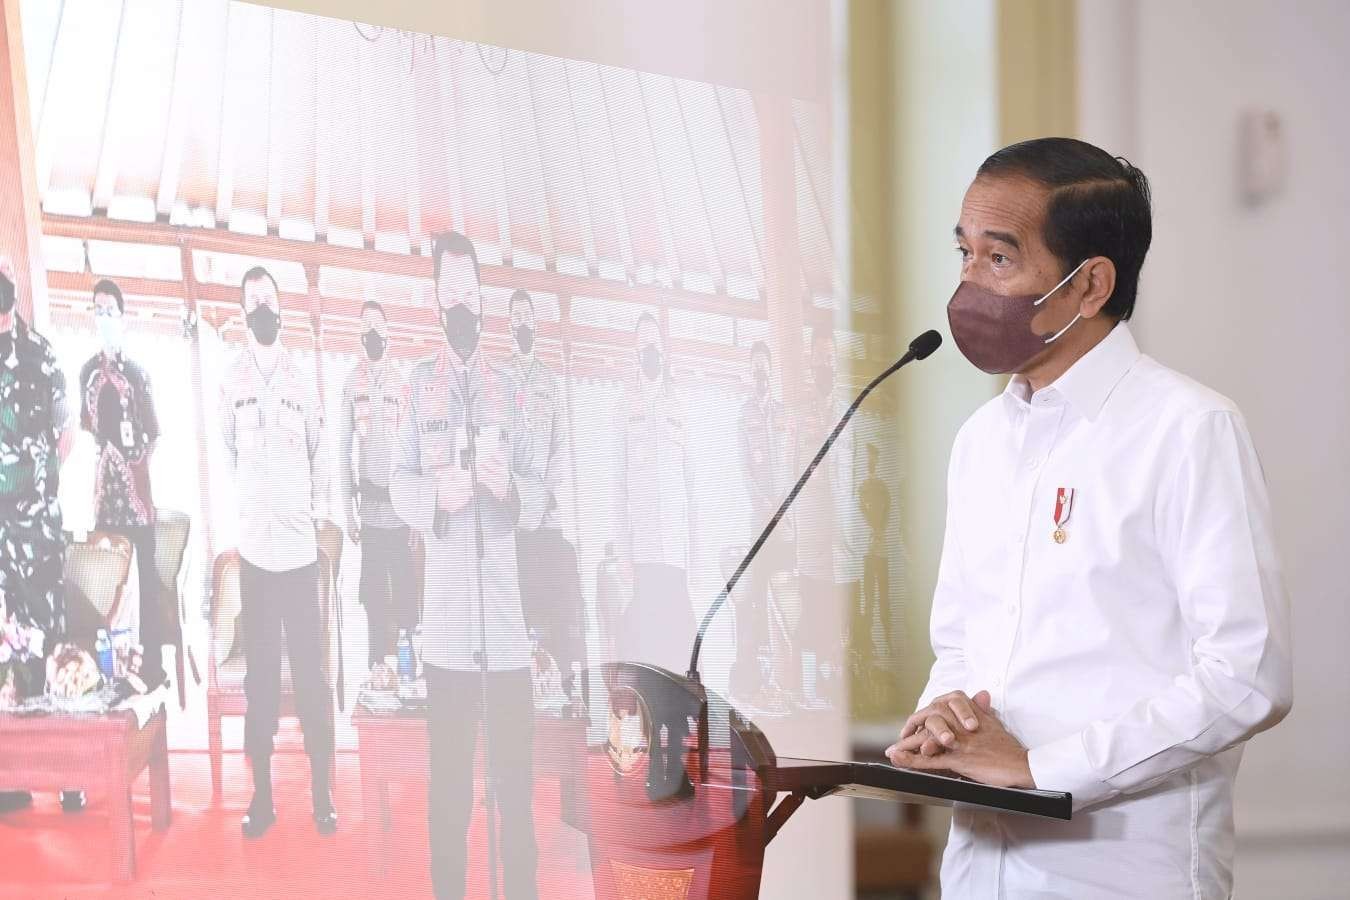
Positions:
{"x": 994, "y": 331}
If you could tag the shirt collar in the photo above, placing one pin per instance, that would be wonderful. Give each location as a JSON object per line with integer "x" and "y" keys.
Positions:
{"x": 1088, "y": 382}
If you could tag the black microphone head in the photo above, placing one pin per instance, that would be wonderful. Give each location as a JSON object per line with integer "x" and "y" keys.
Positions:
{"x": 925, "y": 344}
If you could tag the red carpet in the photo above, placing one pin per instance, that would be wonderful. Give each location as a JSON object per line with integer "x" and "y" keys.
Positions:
{"x": 47, "y": 854}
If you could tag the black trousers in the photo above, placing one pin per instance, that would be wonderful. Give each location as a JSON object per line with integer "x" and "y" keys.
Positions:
{"x": 454, "y": 711}
{"x": 550, "y": 595}
{"x": 876, "y": 594}
{"x": 154, "y": 630}
{"x": 273, "y": 602}
{"x": 387, "y": 587}
{"x": 752, "y": 615}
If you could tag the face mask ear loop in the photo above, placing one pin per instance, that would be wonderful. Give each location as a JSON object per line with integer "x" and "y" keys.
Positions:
{"x": 1061, "y": 284}
{"x": 1054, "y": 337}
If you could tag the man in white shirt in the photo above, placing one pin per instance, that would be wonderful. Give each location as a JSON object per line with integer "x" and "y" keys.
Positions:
{"x": 467, "y": 500}
{"x": 1109, "y": 617}
{"x": 273, "y": 427}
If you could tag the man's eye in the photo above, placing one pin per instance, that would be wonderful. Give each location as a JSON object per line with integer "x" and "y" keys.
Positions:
{"x": 965, "y": 254}
{"x": 999, "y": 259}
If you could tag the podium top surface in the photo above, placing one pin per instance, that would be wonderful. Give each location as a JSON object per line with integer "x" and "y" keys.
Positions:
{"x": 819, "y": 778}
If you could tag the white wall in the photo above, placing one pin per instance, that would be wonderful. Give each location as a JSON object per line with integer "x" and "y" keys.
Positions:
{"x": 1253, "y": 302}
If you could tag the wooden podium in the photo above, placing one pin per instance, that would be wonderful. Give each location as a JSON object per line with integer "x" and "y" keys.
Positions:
{"x": 681, "y": 798}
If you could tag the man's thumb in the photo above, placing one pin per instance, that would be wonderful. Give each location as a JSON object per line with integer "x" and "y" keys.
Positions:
{"x": 984, "y": 701}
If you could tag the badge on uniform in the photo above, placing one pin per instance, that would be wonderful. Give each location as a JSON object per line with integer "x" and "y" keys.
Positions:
{"x": 1063, "y": 509}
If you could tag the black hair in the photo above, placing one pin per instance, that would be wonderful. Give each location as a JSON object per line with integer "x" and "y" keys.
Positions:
{"x": 455, "y": 244}
{"x": 257, "y": 273}
{"x": 1099, "y": 205}
{"x": 109, "y": 287}
{"x": 760, "y": 347}
{"x": 375, "y": 305}
{"x": 519, "y": 295}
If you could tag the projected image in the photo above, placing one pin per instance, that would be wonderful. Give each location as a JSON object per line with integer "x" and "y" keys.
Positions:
{"x": 372, "y": 403}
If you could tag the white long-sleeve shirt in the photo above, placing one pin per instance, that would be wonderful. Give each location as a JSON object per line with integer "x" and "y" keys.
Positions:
{"x": 273, "y": 433}
{"x": 1135, "y": 658}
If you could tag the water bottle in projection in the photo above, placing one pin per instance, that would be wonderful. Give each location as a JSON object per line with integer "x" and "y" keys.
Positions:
{"x": 405, "y": 656}
{"x": 104, "y": 653}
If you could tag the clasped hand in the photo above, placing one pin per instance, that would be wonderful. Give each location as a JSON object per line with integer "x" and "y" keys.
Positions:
{"x": 454, "y": 484}
{"x": 963, "y": 735}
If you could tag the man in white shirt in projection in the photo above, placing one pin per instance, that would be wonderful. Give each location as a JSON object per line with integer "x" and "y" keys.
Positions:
{"x": 272, "y": 427}
{"x": 1109, "y": 617}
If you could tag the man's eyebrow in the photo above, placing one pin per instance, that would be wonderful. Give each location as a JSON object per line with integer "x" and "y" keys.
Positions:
{"x": 1005, "y": 237}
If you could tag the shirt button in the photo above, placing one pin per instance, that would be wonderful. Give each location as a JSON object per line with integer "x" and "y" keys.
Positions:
{"x": 1032, "y": 463}
{"x": 1012, "y": 609}
{"x": 998, "y": 682}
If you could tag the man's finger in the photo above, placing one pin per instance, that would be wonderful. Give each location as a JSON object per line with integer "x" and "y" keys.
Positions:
{"x": 941, "y": 729}
{"x": 931, "y": 747}
{"x": 912, "y": 743}
{"x": 984, "y": 701}
{"x": 964, "y": 711}
{"x": 915, "y": 722}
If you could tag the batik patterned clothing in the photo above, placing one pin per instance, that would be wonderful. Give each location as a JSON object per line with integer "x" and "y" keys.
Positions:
{"x": 117, "y": 409}
{"x": 33, "y": 412}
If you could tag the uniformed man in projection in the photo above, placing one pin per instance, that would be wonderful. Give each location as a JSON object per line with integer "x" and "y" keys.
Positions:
{"x": 372, "y": 404}
{"x": 35, "y": 438}
{"x": 874, "y": 500}
{"x": 655, "y": 508}
{"x": 766, "y": 455}
{"x": 117, "y": 408}
{"x": 819, "y": 641}
{"x": 273, "y": 427}
{"x": 550, "y": 583}
{"x": 476, "y": 651}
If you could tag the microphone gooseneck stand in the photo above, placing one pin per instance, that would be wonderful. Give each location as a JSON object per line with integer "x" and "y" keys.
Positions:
{"x": 919, "y": 348}
{"x": 489, "y": 791}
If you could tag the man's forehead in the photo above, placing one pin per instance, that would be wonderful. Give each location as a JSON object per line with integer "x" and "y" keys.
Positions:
{"x": 1002, "y": 208}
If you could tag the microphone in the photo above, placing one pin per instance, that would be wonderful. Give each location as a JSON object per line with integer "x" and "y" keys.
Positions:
{"x": 920, "y": 348}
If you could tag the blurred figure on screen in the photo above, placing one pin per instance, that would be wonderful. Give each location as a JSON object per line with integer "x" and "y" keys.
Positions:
{"x": 655, "y": 508}
{"x": 272, "y": 426}
{"x": 118, "y": 409}
{"x": 461, "y": 422}
{"x": 372, "y": 405}
{"x": 550, "y": 583}
{"x": 818, "y": 676}
{"x": 874, "y": 498}
{"x": 766, "y": 451}
{"x": 35, "y": 438}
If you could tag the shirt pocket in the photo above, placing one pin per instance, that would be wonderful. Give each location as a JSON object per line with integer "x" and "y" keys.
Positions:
{"x": 248, "y": 428}
{"x": 291, "y": 430}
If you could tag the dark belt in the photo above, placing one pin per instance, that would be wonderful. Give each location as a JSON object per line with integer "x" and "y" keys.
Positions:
{"x": 370, "y": 492}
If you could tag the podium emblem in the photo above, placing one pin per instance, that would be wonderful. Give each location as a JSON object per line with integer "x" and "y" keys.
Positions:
{"x": 629, "y": 719}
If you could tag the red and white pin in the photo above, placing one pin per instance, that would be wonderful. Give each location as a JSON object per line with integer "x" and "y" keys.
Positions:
{"x": 1063, "y": 509}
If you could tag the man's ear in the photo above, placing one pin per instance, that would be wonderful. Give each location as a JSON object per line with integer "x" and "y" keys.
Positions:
{"x": 1098, "y": 281}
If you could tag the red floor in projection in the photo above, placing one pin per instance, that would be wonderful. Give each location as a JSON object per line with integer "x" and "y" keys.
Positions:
{"x": 47, "y": 854}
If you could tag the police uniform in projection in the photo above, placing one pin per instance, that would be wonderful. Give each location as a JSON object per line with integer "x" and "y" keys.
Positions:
{"x": 457, "y": 644}
{"x": 272, "y": 429}
{"x": 550, "y": 583}
{"x": 373, "y": 401}
{"x": 33, "y": 413}
{"x": 656, "y": 511}
{"x": 117, "y": 408}
{"x": 822, "y": 557}
{"x": 766, "y": 457}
